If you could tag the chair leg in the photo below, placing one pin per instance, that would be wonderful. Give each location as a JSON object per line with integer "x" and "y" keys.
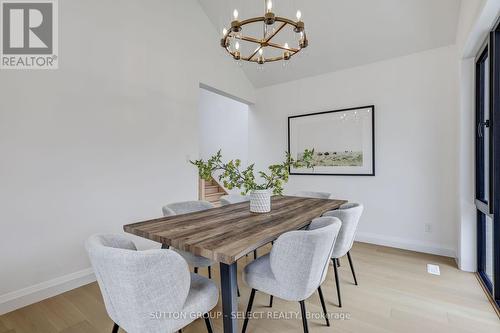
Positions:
{"x": 208, "y": 322}
{"x": 304, "y": 316}
{"x": 115, "y": 328}
{"x": 352, "y": 268}
{"x": 249, "y": 310}
{"x": 337, "y": 281}
{"x": 209, "y": 272}
{"x": 271, "y": 301}
{"x": 254, "y": 254}
{"x": 323, "y": 305}
{"x": 196, "y": 270}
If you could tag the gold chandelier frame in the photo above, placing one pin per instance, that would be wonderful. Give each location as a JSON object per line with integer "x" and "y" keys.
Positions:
{"x": 269, "y": 19}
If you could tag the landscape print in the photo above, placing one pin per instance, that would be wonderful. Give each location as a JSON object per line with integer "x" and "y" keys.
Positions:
{"x": 343, "y": 141}
{"x": 336, "y": 158}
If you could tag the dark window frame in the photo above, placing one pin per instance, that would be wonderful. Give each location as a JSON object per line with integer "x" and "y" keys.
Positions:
{"x": 491, "y": 206}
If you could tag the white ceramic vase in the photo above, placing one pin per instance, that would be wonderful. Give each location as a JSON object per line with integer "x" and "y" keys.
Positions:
{"x": 260, "y": 201}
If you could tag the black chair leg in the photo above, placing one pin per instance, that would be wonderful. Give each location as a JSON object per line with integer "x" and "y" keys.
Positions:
{"x": 338, "y": 262}
{"x": 254, "y": 254}
{"x": 323, "y": 305}
{"x": 196, "y": 270}
{"x": 208, "y": 322}
{"x": 352, "y": 268}
{"x": 337, "y": 281}
{"x": 209, "y": 272}
{"x": 115, "y": 328}
{"x": 249, "y": 311}
{"x": 304, "y": 316}
{"x": 271, "y": 301}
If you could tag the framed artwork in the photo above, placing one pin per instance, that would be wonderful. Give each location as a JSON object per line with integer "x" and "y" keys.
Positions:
{"x": 343, "y": 141}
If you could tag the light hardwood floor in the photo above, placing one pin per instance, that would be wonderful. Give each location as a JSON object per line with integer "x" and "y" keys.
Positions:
{"x": 395, "y": 294}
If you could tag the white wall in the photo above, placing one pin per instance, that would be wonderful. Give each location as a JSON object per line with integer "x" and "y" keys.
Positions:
{"x": 223, "y": 126}
{"x": 416, "y": 156}
{"x": 467, "y": 226}
{"x": 102, "y": 141}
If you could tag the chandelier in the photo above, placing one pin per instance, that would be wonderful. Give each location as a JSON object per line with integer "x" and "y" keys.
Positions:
{"x": 272, "y": 26}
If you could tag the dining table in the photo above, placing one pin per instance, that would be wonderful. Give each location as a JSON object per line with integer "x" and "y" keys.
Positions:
{"x": 228, "y": 233}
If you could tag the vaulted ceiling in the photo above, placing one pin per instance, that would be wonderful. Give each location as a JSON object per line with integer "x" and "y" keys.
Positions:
{"x": 346, "y": 33}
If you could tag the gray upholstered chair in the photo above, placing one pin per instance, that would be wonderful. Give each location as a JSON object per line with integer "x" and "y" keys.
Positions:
{"x": 184, "y": 208}
{"x": 148, "y": 291}
{"x": 310, "y": 194}
{"x": 296, "y": 266}
{"x": 349, "y": 214}
{"x": 233, "y": 199}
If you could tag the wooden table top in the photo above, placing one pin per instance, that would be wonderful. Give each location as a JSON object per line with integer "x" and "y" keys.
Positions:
{"x": 227, "y": 233}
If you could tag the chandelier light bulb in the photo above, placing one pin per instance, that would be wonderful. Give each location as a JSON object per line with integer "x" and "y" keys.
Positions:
{"x": 269, "y": 5}
{"x": 237, "y": 46}
{"x": 299, "y": 15}
{"x": 224, "y": 32}
{"x": 235, "y": 14}
{"x": 286, "y": 54}
{"x": 261, "y": 51}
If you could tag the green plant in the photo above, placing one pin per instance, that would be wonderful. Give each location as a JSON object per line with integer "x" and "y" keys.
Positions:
{"x": 232, "y": 177}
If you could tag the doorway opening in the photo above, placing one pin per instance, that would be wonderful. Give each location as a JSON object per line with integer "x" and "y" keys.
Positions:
{"x": 223, "y": 125}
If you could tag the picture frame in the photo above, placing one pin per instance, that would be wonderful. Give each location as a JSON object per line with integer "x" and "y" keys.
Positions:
{"x": 343, "y": 141}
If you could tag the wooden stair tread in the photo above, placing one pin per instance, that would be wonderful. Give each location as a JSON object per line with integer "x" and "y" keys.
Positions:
{"x": 212, "y": 190}
{"x": 215, "y": 195}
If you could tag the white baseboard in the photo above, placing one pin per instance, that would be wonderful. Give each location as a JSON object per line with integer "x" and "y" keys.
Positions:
{"x": 405, "y": 244}
{"x": 38, "y": 292}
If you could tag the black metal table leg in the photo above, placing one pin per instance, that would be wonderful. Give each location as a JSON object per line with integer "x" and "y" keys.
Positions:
{"x": 228, "y": 275}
